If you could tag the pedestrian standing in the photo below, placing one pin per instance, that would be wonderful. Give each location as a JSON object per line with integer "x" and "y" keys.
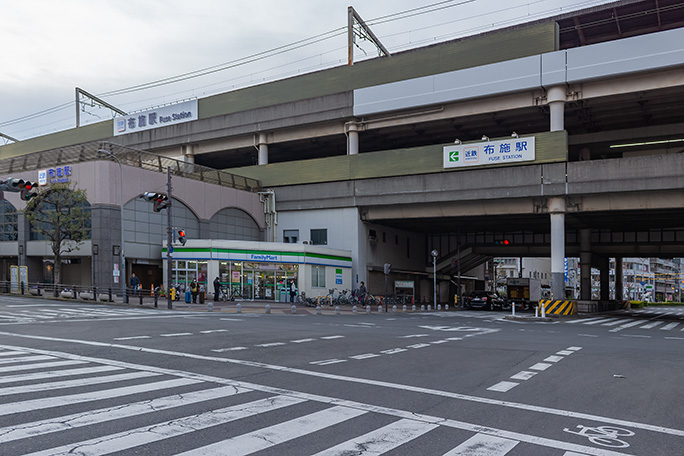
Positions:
{"x": 362, "y": 293}
{"x": 293, "y": 291}
{"x": 194, "y": 289}
{"x": 217, "y": 289}
{"x": 135, "y": 283}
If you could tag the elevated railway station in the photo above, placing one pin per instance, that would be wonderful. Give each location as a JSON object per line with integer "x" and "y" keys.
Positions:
{"x": 563, "y": 136}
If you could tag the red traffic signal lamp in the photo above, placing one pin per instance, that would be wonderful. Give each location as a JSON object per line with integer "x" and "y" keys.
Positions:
{"x": 181, "y": 237}
{"x": 502, "y": 242}
{"x": 160, "y": 200}
{"x": 27, "y": 188}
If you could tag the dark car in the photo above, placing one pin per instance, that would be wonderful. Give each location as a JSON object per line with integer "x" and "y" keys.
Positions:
{"x": 487, "y": 300}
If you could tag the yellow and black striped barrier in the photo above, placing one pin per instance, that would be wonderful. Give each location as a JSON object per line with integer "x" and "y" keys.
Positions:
{"x": 559, "y": 307}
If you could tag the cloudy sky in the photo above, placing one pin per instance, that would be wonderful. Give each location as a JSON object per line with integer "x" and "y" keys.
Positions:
{"x": 109, "y": 47}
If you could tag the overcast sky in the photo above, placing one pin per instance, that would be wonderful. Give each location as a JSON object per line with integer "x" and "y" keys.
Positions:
{"x": 49, "y": 47}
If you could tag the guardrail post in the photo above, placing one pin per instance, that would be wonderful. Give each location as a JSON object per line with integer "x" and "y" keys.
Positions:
{"x": 513, "y": 309}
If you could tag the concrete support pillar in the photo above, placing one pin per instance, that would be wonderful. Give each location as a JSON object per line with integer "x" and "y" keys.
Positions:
{"x": 619, "y": 291}
{"x": 557, "y": 213}
{"x": 263, "y": 149}
{"x": 585, "y": 264}
{"x": 352, "y": 138}
{"x": 605, "y": 278}
{"x": 188, "y": 155}
{"x": 556, "y": 100}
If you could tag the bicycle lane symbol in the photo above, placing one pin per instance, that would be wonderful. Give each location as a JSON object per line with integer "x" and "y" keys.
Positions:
{"x": 603, "y": 435}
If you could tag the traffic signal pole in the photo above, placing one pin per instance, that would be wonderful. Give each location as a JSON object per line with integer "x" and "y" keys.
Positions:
{"x": 169, "y": 241}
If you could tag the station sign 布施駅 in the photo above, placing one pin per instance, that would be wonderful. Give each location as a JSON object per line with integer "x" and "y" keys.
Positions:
{"x": 498, "y": 152}
{"x": 156, "y": 118}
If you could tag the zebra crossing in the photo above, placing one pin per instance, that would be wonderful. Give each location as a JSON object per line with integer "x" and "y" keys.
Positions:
{"x": 54, "y": 403}
{"x": 32, "y": 314}
{"x": 659, "y": 322}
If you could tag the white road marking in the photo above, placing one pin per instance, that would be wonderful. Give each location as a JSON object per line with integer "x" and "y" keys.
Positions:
{"x": 652, "y": 325}
{"x": 220, "y": 350}
{"x": 365, "y": 356}
{"x": 541, "y": 366}
{"x": 22, "y": 359}
{"x": 414, "y": 335}
{"x": 154, "y": 433}
{"x": 361, "y": 381}
{"x": 574, "y": 348}
{"x": 636, "y": 335}
{"x": 175, "y": 334}
{"x": 273, "y": 435}
{"x": 674, "y": 338}
{"x": 617, "y": 322}
{"x": 132, "y": 338}
{"x": 553, "y": 359}
{"x": 325, "y": 362}
{"x": 381, "y": 440}
{"x": 57, "y": 373}
{"x": 332, "y": 337}
{"x": 210, "y": 331}
{"x": 301, "y": 341}
{"x": 418, "y": 345}
{"x": 50, "y": 386}
{"x": 565, "y": 352}
{"x": 587, "y": 335}
{"x": 669, "y": 326}
{"x": 483, "y": 445}
{"x": 271, "y": 344}
{"x": 524, "y": 375}
{"x": 393, "y": 351}
{"x": 584, "y": 320}
{"x": 134, "y": 409}
{"x": 594, "y": 322}
{"x": 22, "y": 367}
{"x": 502, "y": 387}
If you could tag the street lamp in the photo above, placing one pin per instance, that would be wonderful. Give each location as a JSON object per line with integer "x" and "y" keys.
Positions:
{"x": 108, "y": 154}
{"x": 434, "y": 254}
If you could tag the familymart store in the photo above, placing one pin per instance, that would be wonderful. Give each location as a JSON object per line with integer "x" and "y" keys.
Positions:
{"x": 260, "y": 270}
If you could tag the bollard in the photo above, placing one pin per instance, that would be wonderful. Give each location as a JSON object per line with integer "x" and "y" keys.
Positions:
{"x": 22, "y": 287}
{"x": 210, "y": 306}
{"x": 354, "y": 310}
{"x": 513, "y": 309}
{"x": 268, "y": 309}
{"x": 394, "y": 309}
{"x": 446, "y": 306}
{"x": 368, "y": 309}
{"x": 318, "y": 310}
{"x": 294, "y": 309}
{"x": 238, "y": 308}
{"x": 536, "y": 312}
{"x": 422, "y": 308}
{"x": 156, "y": 296}
{"x": 141, "y": 302}
{"x": 439, "y": 307}
{"x": 413, "y": 308}
{"x": 95, "y": 296}
{"x": 110, "y": 294}
{"x": 337, "y": 310}
{"x": 543, "y": 310}
{"x": 380, "y": 308}
{"x": 404, "y": 308}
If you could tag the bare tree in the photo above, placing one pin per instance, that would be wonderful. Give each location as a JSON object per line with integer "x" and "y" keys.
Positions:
{"x": 61, "y": 215}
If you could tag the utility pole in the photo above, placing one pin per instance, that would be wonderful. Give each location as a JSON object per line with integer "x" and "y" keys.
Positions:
{"x": 169, "y": 241}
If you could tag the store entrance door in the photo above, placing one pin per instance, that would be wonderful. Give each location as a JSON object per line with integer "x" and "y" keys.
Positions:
{"x": 264, "y": 285}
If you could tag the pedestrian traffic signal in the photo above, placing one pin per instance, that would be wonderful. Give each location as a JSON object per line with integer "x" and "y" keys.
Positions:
{"x": 160, "y": 200}
{"x": 181, "y": 237}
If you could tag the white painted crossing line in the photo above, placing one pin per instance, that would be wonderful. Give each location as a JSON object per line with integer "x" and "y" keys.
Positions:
{"x": 594, "y": 322}
{"x": 483, "y": 445}
{"x": 132, "y": 338}
{"x": 502, "y": 387}
{"x": 553, "y": 359}
{"x": 418, "y": 345}
{"x": 134, "y": 409}
{"x": 381, "y": 440}
{"x": 50, "y": 386}
{"x": 271, "y": 344}
{"x": 59, "y": 401}
{"x": 149, "y": 434}
{"x": 541, "y": 366}
{"x": 669, "y": 326}
{"x": 632, "y": 323}
{"x": 617, "y": 322}
{"x": 365, "y": 356}
{"x": 332, "y": 337}
{"x": 175, "y": 334}
{"x": 524, "y": 375}
{"x": 57, "y": 374}
{"x": 652, "y": 324}
{"x": 277, "y": 434}
{"x": 211, "y": 331}
{"x": 220, "y": 350}
{"x": 301, "y": 341}
{"x": 23, "y": 359}
{"x": 325, "y": 362}
{"x": 12, "y": 353}
{"x": 393, "y": 351}
{"x": 22, "y": 367}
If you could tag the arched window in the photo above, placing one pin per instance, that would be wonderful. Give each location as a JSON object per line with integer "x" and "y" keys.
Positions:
{"x": 36, "y": 236}
{"x": 235, "y": 225}
{"x": 8, "y": 222}
{"x": 143, "y": 225}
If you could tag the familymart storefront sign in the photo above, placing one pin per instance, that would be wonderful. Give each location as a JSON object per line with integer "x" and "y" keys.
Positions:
{"x": 512, "y": 150}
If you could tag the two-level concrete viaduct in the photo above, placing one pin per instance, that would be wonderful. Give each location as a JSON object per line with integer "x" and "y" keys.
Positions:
{"x": 356, "y": 155}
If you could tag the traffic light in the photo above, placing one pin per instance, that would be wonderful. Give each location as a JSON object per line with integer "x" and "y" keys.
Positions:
{"x": 181, "y": 237}
{"x": 502, "y": 242}
{"x": 388, "y": 268}
{"x": 27, "y": 188}
{"x": 160, "y": 200}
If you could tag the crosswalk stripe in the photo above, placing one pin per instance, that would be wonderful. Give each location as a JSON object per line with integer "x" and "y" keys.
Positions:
{"x": 90, "y": 417}
{"x": 617, "y": 322}
{"x": 381, "y": 440}
{"x": 483, "y": 445}
{"x": 652, "y": 325}
{"x": 180, "y": 426}
{"x": 602, "y": 320}
{"x": 669, "y": 326}
{"x": 58, "y": 401}
{"x": 22, "y": 367}
{"x": 276, "y": 434}
{"x": 632, "y": 323}
{"x": 50, "y": 386}
{"x": 584, "y": 320}
{"x": 57, "y": 373}
{"x": 22, "y": 359}
{"x": 12, "y": 353}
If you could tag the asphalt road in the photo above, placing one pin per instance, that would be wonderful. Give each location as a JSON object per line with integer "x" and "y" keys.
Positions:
{"x": 93, "y": 379}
